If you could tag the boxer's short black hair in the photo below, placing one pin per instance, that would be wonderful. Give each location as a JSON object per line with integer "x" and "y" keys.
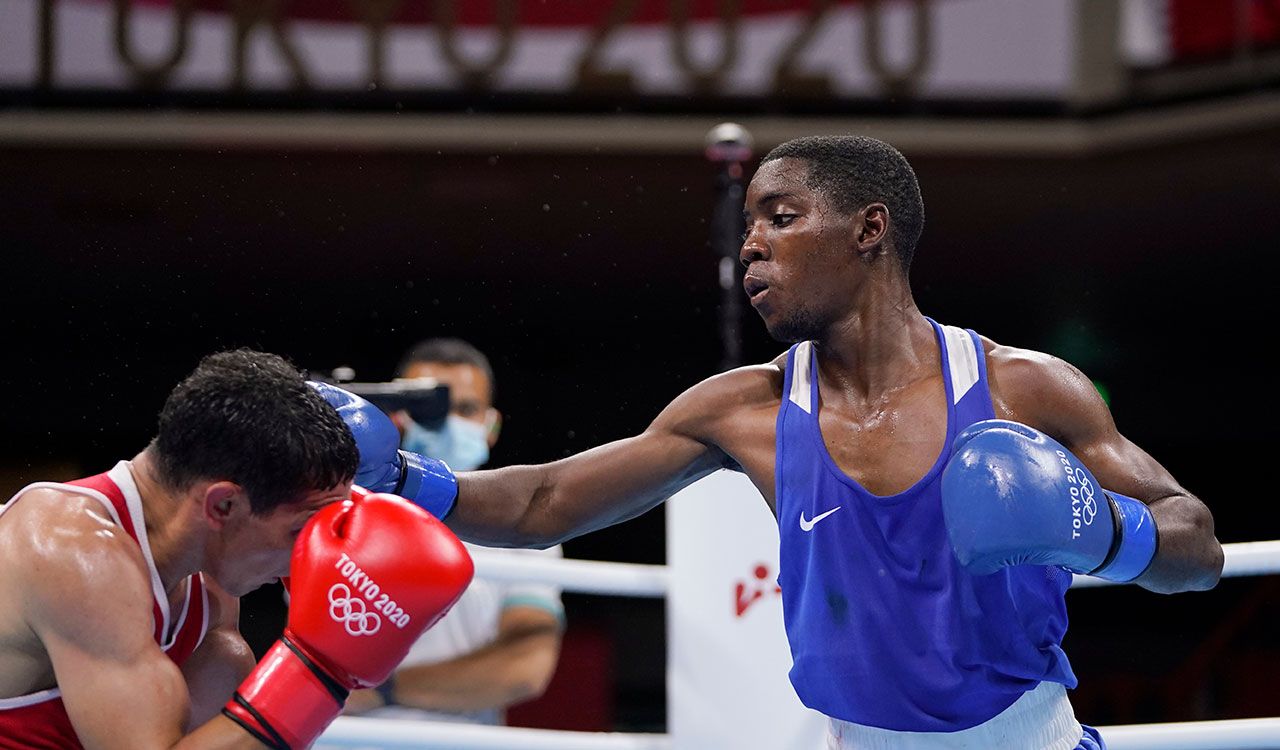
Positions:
{"x": 249, "y": 417}
{"x": 853, "y": 171}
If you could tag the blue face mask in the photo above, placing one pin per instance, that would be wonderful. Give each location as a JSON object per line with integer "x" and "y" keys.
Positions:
{"x": 461, "y": 443}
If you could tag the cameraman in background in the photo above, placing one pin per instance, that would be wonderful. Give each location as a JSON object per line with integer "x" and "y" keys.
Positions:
{"x": 500, "y": 643}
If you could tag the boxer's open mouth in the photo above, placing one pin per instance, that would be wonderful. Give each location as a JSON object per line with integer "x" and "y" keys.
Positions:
{"x": 755, "y": 288}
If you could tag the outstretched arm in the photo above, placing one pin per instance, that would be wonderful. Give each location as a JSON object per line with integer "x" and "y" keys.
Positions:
{"x": 1055, "y": 397}
{"x": 538, "y": 506}
{"x": 542, "y": 505}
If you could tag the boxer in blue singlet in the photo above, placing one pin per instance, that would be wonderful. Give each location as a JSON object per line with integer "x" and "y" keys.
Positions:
{"x": 934, "y": 490}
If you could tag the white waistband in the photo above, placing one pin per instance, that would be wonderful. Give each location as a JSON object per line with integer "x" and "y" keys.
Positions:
{"x": 1042, "y": 719}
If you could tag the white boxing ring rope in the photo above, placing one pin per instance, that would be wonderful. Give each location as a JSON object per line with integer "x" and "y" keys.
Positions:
{"x": 628, "y": 579}
{"x": 624, "y": 579}
{"x": 578, "y": 576}
{"x": 354, "y": 732}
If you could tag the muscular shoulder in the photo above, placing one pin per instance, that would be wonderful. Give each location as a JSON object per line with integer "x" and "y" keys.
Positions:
{"x": 1043, "y": 391}
{"x": 49, "y": 524}
{"x": 752, "y": 386}
{"x": 63, "y": 555}
{"x": 725, "y": 398}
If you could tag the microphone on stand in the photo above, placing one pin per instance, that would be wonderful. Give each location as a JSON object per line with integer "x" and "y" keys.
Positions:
{"x": 728, "y": 146}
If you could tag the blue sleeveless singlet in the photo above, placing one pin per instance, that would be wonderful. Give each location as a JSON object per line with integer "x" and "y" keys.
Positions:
{"x": 886, "y": 629}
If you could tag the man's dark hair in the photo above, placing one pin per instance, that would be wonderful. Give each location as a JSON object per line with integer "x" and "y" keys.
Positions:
{"x": 854, "y": 171}
{"x": 446, "y": 351}
{"x": 250, "y": 418}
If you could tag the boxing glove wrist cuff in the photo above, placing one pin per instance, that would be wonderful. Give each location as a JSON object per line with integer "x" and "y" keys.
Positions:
{"x": 244, "y": 714}
{"x": 1135, "y": 542}
{"x": 428, "y": 483}
{"x": 288, "y": 700}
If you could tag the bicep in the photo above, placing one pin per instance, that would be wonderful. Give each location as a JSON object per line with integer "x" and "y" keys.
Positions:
{"x": 1057, "y": 399}
{"x": 119, "y": 689}
{"x": 127, "y": 699}
{"x": 1062, "y": 402}
{"x": 1121, "y": 466}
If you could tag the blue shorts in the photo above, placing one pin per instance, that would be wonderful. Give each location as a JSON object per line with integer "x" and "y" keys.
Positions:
{"x": 1091, "y": 740}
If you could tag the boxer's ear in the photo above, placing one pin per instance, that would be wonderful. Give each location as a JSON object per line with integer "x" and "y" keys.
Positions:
{"x": 493, "y": 421}
{"x": 871, "y": 226}
{"x": 224, "y": 502}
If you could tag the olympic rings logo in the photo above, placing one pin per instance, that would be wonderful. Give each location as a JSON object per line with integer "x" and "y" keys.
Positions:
{"x": 350, "y": 611}
{"x": 1088, "y": 498}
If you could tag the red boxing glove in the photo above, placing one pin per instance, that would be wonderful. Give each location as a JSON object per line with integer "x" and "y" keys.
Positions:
{"x": 369, "y": 575}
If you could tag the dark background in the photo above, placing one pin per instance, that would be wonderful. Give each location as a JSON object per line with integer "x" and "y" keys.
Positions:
{"x": 588, "y": 280}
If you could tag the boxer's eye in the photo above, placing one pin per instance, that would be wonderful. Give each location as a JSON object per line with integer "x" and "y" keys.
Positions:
{"x": 782, "y": 220}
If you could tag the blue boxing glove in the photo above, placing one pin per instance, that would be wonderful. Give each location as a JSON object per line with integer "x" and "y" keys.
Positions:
{"x": 427, "y": 482}
{"x": 1012, "y": 495}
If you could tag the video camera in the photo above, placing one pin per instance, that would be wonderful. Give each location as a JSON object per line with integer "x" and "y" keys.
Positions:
{"x": 425, "y": 399}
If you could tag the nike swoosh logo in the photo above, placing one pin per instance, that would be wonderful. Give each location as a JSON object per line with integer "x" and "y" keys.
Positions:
{"x": 808, "y": 525}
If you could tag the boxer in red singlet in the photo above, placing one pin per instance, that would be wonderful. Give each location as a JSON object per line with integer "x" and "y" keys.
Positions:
{"x": 118, "y": 616}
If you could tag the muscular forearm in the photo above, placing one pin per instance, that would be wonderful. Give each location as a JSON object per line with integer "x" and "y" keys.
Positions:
{"x": 496, "y": 676}
{"x": 138, "y": 731}
{"x": 213, "y": 672}
{"x": 1189, "y": 557}
{"x": 220, "y": 733}
{"x": 506, "y": 507}
{"x": 538, "y": 506}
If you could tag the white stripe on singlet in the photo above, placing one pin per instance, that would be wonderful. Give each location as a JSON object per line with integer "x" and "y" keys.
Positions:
{"x": 801, "y": 386}
{"x": 963, "y": 358}
{"x": 122, "y": 475}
